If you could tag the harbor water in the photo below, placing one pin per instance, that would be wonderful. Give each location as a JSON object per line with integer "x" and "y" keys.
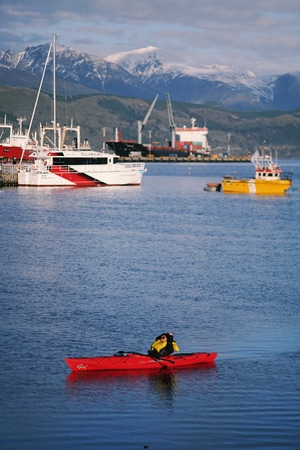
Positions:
{"x": 94, "y": 271}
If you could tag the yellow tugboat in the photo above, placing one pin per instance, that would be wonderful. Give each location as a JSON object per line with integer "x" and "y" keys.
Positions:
{"x": 269, "y": 178}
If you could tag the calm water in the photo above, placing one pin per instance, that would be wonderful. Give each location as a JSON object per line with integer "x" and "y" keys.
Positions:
{"x": 94, "y": 271}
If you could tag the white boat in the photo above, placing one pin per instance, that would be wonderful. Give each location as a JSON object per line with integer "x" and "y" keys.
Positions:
{"x": 75, "y": 164}
{"x": 79, "y": 168}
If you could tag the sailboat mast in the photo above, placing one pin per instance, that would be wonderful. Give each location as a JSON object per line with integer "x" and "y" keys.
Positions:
{"x": 54, "y": 90}
{"x": 36, "y": 101}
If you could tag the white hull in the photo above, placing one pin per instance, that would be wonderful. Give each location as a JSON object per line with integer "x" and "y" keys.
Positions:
{"x": 98, "y": 175}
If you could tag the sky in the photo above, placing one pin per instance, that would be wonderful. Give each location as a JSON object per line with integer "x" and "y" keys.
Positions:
{"x": 258, "y": 35}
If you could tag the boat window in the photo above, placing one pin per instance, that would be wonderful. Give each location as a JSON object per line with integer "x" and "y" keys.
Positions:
{"x": 84, "y": 161}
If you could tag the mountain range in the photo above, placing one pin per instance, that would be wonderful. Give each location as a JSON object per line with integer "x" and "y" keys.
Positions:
{"x": 143, "y": 73}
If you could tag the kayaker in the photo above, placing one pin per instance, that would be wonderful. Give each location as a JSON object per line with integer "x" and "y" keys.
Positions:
{"x": 163, "y": 345}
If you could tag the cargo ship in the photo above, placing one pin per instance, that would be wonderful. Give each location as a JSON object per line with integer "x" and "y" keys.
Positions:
{"x": 190, "y": 141}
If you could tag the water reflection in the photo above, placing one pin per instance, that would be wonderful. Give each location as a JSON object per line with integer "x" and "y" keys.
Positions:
{"x": 165, "y": 385}
{"x": 162, "y": 384}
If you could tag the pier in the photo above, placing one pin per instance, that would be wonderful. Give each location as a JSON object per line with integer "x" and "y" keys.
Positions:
{"x": 190, "y": 159}
{"x": 8, "y": 174}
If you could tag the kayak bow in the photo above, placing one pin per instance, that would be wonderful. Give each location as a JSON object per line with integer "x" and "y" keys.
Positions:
{"x": 134, "y": 361}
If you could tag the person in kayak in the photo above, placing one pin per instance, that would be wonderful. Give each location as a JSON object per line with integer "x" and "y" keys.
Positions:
{"x": 163, "y": 345}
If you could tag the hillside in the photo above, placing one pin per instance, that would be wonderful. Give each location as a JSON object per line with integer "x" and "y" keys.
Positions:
{"x": 280, "y": 130}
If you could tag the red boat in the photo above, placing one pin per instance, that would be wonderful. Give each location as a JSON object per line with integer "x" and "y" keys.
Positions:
{"x": 15, "y": 145}
{"x": 134, "y": 361}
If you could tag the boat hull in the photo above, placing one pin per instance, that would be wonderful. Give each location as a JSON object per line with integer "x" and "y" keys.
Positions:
{"x": 253, "y": 186}
{"x": 129, "y": 174}
{"x": 125, "y": 149}
{"x": 212, "y": 187}
{"x": 11, "y": 152}
{"x": 136, "y": 361}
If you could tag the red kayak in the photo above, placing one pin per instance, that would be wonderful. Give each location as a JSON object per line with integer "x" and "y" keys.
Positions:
{"x": 134, "y": 361}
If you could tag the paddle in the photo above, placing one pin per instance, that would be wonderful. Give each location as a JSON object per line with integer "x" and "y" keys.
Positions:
{"x": 149, "y": 356}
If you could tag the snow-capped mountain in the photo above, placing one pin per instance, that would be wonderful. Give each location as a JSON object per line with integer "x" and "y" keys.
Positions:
{"x": 80, "y": 69}
{"x": 149, "y": 61}
{"x": 197, "y": 84}
{"x": 144, "y": 72}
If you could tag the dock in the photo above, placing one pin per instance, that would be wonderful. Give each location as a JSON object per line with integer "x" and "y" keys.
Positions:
{"x": 190, "y": 159}
{"x": 9, "y": 174}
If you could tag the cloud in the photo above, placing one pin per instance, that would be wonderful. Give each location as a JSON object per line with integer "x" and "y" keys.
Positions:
{"x": 261, "y": 35}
